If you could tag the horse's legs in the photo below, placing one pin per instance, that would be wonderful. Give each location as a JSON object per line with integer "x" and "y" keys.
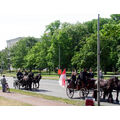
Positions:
{"x": 105, "y": 93}
{"x": 33, "y": 85}
{"x": 110, "y": 97}
{"x": 117, "y": 96}
{"x": 38, "y": 85}
{"x": 95, "y": 94}
{"x": 30, "y": 86}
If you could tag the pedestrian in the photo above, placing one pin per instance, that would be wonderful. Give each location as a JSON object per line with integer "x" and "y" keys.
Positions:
{"x": 3, "y": 82}
{"x": 25, "y": 73}
{"x": 91, "y": 74}
{"x": 85, "y": 77}
{"x": 73, "y": 78}
{"x": 101, "y": 75}
{"x": 19, "y": 75}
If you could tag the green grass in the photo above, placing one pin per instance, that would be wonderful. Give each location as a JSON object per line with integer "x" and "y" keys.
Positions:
{"x": 63, "y": 100}
{"x": 9, "y": 102}
{"x": 67, "y": 101}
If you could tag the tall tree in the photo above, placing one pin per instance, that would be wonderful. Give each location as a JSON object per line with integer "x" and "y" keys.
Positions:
{"x": 20, "y": 50}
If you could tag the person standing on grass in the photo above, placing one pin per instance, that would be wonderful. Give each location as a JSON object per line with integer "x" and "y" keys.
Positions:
{"x": 3, "y": 82}
{"x": 101, "y": 74}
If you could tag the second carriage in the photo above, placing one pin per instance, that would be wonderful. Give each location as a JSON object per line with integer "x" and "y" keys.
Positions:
{"x": 83, "y": 90}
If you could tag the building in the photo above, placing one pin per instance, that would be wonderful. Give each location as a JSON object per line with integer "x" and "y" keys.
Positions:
{"x": 12, "y": 42}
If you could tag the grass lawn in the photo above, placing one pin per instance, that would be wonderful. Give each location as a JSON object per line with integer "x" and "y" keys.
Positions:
{"x": 10, "y": 102}
{"x": 67, "y": 101}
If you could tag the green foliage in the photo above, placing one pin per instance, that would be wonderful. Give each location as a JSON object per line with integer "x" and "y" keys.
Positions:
{"x": 110, "y": 39}
{"x": 4, "y": 61}
{"x": 20, "y": 50}
{"x": 115, "y": 18}
{"x": 86, "y": 57}
{"x": 77, "y": 44}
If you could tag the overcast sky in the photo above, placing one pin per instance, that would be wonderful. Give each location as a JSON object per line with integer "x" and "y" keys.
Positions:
{"x": 19, "y": 18}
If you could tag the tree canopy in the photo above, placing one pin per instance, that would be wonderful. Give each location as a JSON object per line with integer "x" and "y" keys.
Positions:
{"x": 77, "y": 44}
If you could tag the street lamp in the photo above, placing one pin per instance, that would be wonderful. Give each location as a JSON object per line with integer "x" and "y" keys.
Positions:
{"x": 98, "y": 63}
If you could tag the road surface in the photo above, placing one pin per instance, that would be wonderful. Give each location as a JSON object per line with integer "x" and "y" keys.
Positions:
{"x": 52, "y": 88}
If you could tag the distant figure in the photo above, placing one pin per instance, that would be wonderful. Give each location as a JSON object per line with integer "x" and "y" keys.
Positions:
{"x": 3, "y": 82}
{"x": 101, "y": 74}
{"x": 25, "y": 73}
{"x": 73, "y": 78}
{"x": 31, "y": 78}
{"x": 31, "y": 74}
{"x": 19, "y": 75}
{"x": 84, "y": 77}
{"x": 90, "y": 74}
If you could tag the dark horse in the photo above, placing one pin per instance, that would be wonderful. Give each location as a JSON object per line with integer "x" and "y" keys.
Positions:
{"x": 36, "y": 81}
{"x": 27, "y": 81}
{"x": 107, "y": 86}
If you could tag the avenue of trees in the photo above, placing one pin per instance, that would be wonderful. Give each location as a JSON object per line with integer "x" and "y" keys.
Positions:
{"x": 77, "y": 43}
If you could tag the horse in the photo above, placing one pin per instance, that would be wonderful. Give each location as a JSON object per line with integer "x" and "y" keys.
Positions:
{"x": 107, "y": 86}
{"x": 36, "y": 81}
{"x": 27, "y": 81}
{"x": 17, "y": 83}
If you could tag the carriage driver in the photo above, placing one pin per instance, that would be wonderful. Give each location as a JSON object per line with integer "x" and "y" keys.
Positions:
{"x": 25, "y": 73}
{"x": 31, "y": 74}
{"x": 91, "y": 74}
{"x": 83, "y": 78}
{"x": 19, "y": 75}
{"x": 73, "y": 78}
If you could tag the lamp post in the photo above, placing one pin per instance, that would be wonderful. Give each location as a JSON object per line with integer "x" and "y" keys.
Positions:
{"x": 98, "y": 63}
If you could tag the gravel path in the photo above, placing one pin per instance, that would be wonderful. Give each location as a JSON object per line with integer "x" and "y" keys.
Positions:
{"x": 32, "y": 100}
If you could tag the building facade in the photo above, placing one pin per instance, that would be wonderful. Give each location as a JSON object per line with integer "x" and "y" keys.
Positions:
{"x": 12, "y": 42}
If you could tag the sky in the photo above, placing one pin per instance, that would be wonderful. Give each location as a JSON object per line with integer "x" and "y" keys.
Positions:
{"x": 22, "y": 18}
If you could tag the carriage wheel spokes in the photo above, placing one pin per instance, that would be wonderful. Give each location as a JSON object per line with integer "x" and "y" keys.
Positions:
{"x": 86, "y": 92}
{"x": 83, "y": 92}
{"x": 70, "y": 92}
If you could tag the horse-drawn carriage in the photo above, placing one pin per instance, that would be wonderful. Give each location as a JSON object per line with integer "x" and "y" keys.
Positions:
{"x": 106, "y": 88}
{"x": 27, "y": 82}
{"x": 83, "y": 89}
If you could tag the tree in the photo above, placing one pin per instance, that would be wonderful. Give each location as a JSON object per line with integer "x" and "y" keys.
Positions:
{"x": 110, "y": 40}
{"x": 86, "y": 57}
{"x": 51, "y": 28}
{"x": 20, "y": 50}
{"x": 115, "y": 18}
{"x": 4, "y": 61}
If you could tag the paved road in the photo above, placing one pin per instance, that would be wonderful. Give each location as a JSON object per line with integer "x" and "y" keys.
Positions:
{"x": 48, "y": 87}
{"x": 52, "y": 87}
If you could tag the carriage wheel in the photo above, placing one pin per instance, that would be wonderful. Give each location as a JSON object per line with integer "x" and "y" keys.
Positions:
{"x": 83, "y": 92}
{"x": 70, "y": 92}
{"x": 86, "y": 92}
